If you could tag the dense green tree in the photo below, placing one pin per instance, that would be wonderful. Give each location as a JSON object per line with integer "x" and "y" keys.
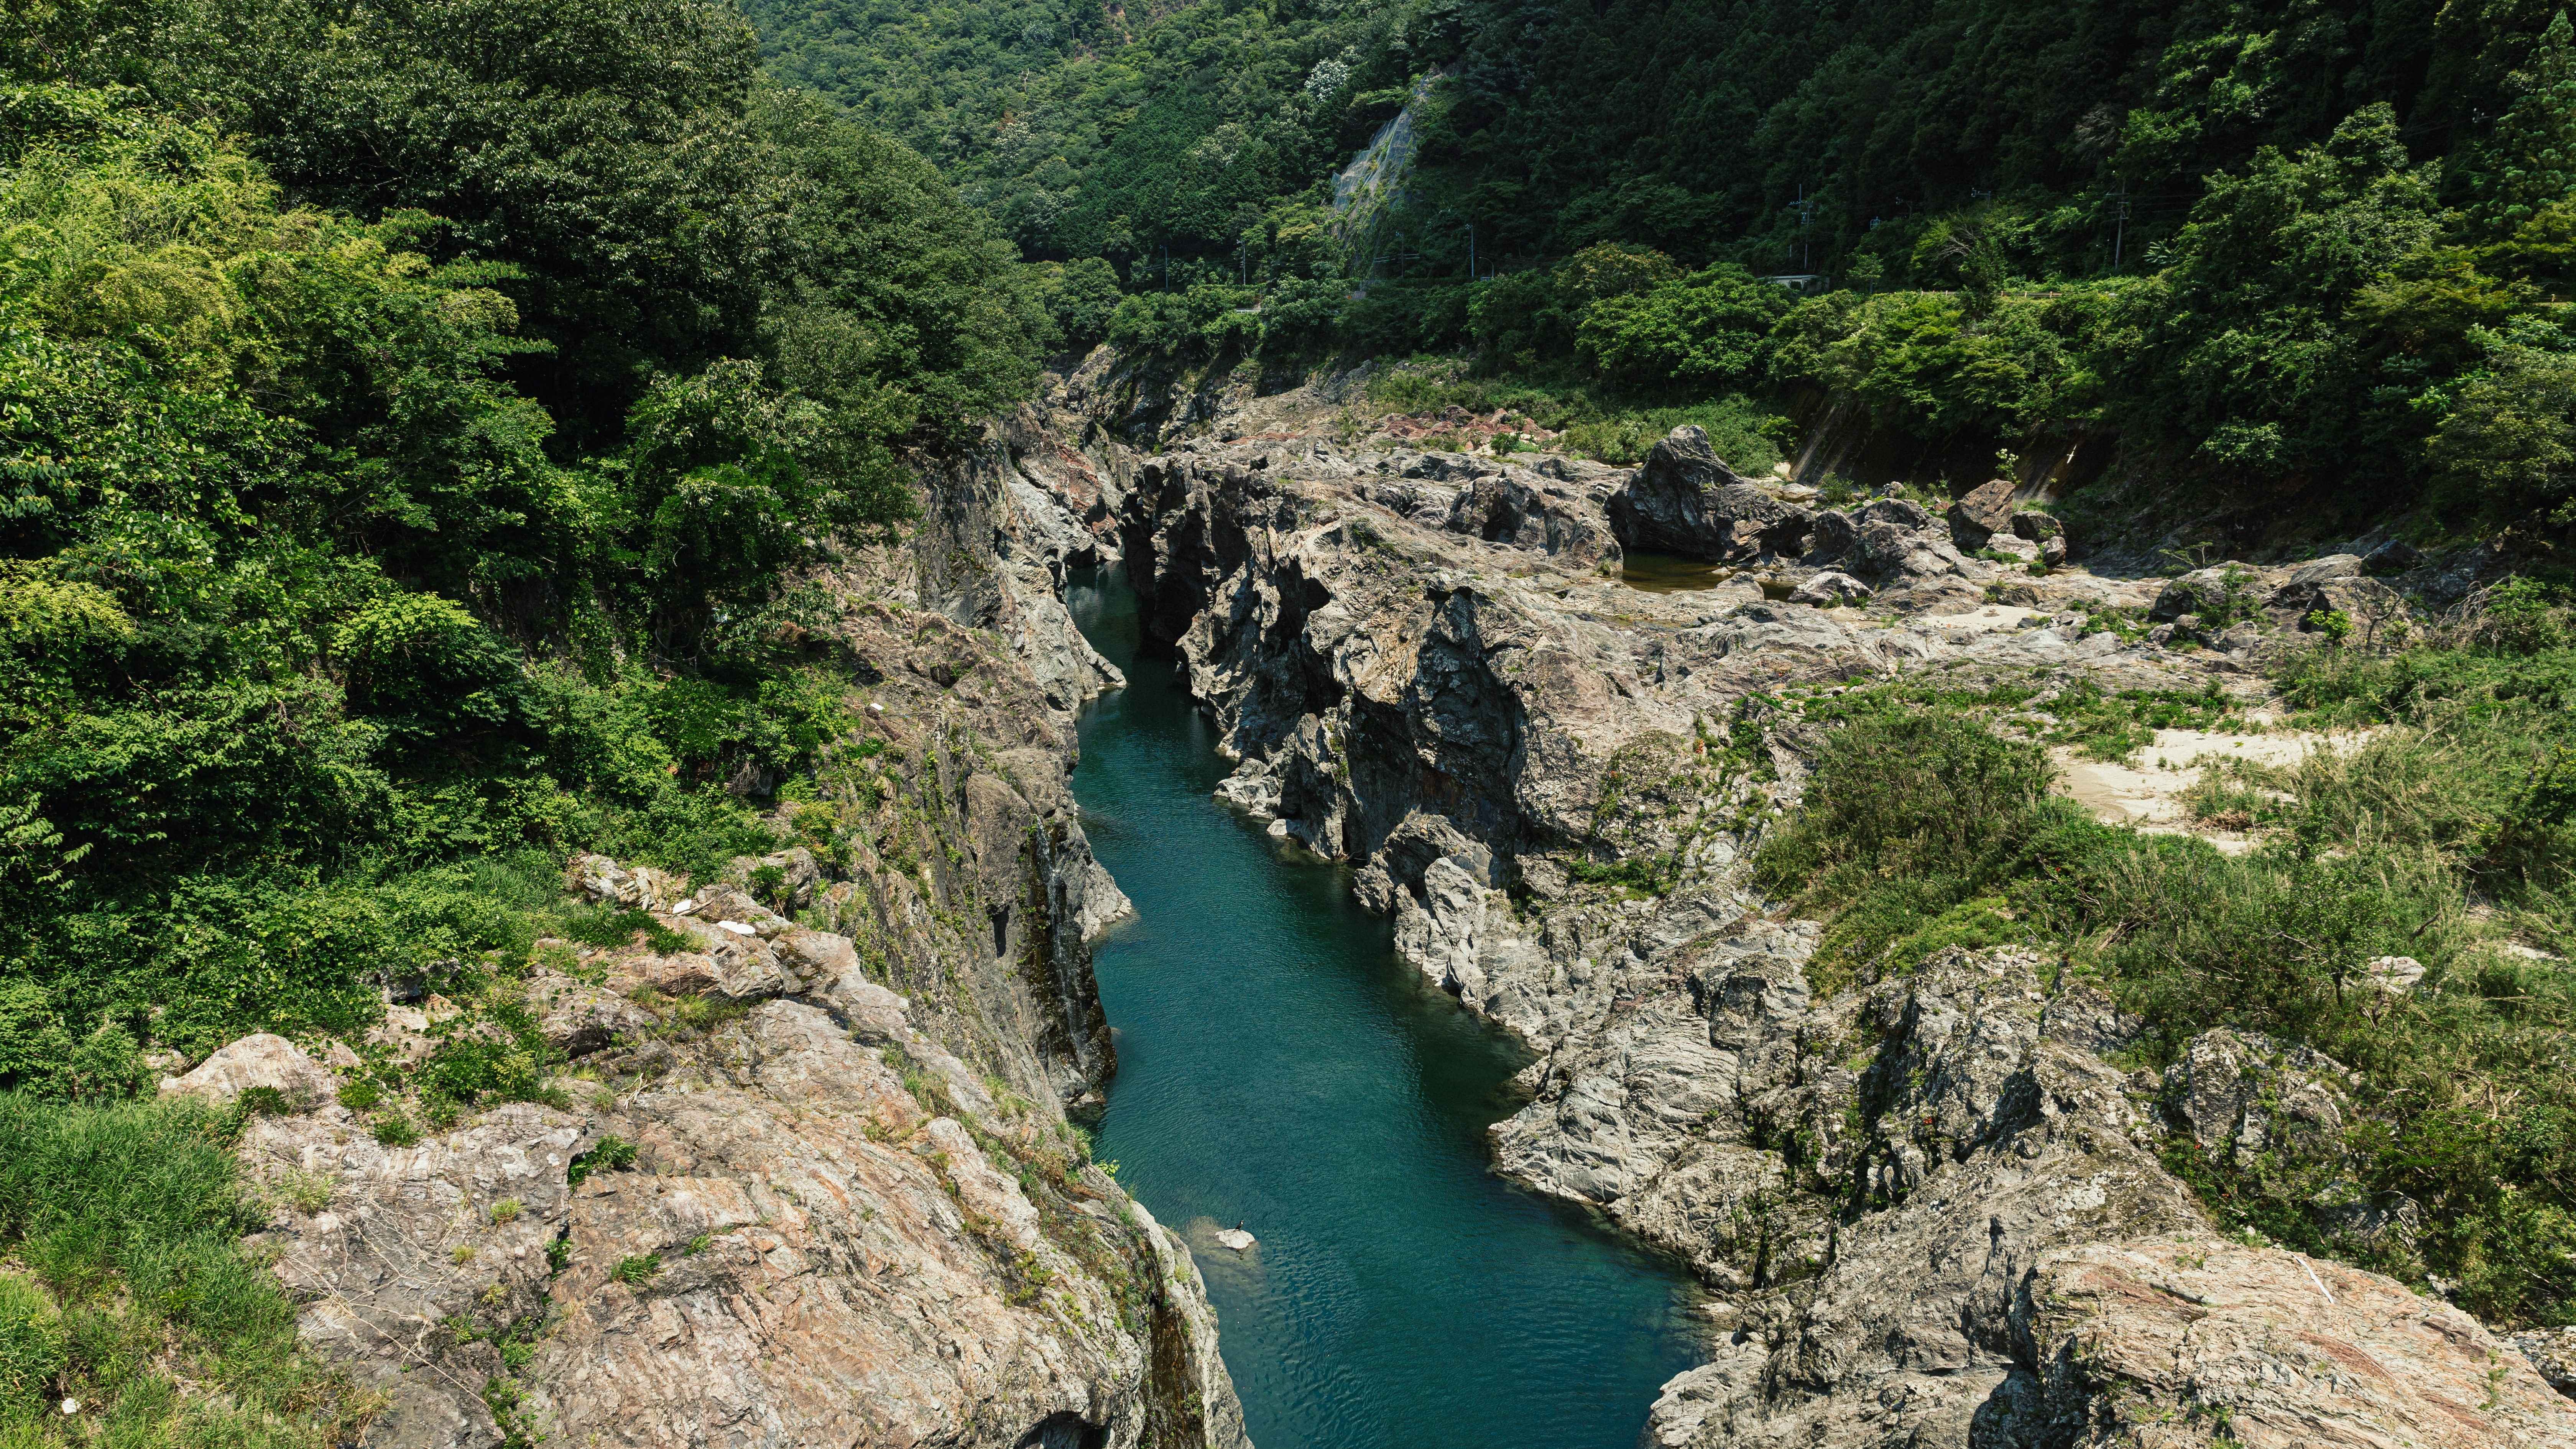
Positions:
{"x": 2253, "y": 305}
{"x": 2508, "y": 448}
{"x": 412, "y": 422}
{"x": 1711, "y": 330}
{"x": 2532, "y": 154}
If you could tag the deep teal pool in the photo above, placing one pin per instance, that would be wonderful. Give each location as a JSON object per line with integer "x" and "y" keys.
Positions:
{"x": 1279, "y": 1067}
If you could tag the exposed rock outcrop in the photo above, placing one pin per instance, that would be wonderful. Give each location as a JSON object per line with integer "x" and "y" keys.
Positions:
{"x": 1686, "y": 500}
{"x": 261, "y": 1061}
{"x": 830, "y": 1233}
{"x": 1904, "y": 1189}
{"x": 2212, "y": 1342}
{"x": 813, "y": 1180}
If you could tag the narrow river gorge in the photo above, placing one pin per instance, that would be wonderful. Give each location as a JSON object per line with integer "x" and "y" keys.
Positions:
{"x": 1281, "y": 1068}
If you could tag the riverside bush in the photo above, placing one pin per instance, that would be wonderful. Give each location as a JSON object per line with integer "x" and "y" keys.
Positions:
{"x": 1923, "y": 828}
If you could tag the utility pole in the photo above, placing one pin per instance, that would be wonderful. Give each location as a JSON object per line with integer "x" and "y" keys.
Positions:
{"x": 1471, "y": 251}
{"x": 1806, "y": 213}
{"x": 1167, "y": 269}
{"x": 2119, "y": 224}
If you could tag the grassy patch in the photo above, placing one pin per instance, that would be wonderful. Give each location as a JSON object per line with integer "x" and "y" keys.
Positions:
{"x": 621, "y": 927}
{"x": 124, "y": 1281}
{"x": 2108, "y": 726}
{"x": 1923, "y": 827}
{"x": 1598, "y": 422}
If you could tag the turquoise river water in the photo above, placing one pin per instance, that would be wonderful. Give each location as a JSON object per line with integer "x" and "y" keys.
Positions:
{"x": 1279, "y": 1067}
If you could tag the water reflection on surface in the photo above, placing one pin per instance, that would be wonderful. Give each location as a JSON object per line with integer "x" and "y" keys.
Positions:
{"x": 1672, "y": 573}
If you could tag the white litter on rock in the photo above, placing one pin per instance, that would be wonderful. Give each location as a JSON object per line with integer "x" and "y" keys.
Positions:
{"x": 737, "y": 927}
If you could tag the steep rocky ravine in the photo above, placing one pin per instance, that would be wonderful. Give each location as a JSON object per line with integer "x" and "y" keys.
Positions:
{"x": 816, "y": 1182}
{"x": 1932, "y": 1211}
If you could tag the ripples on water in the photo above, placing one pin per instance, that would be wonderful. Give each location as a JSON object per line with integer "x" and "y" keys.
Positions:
{"x": 1280, "y": 1068}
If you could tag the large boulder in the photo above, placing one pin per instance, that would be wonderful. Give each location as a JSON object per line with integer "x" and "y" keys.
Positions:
{"x": 1519, "y": 510}
{"x": 1986, "y": 509}
{"x": 2205, "y": 1341}
{"x": 2365, "y": 601}
{"x": 2014, "y": 545}
{"x": 2321, "y": 570}
{"x": 2263, "y": 1106}
{"x": 1830, "y": 535}
{"x": 799, "y": 875}
{"x": 1687, "y": 501}
{"x": 642, "y": 888}
{"x": 2393, "y": 557}
{"x": 1831, "y": 588}
{"x": 1896, "y": 541}
{"x": 579, "y": 1018}
{"x": 2036, "y": 526}
{"x": 1894, "y": 511}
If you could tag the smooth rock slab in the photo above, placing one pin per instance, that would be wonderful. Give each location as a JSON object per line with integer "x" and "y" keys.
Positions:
{"x": 258, "y": 1060}
{"x": 2174, "y": 1339}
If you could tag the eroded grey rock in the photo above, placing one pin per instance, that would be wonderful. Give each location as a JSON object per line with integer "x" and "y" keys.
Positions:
{"x": 1872, "y": 1178}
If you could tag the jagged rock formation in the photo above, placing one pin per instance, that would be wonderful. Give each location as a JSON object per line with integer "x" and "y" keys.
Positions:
{"x": 1906, "y": 1191}
{"x": 1686, "y": 500}
{"x": 812, "y": 1181}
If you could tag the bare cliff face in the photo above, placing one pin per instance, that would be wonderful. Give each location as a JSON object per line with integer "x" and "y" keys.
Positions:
{"x": 811, "y": 1179}
{"x": 1930, "y": 1211}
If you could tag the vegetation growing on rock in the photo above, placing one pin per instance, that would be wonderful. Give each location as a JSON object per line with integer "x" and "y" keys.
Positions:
{"x": 1926, "y": 827}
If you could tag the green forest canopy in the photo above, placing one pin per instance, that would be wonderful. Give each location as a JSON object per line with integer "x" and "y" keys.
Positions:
{"x": 2312, "y": 250}
{"x": 414, "y": 415}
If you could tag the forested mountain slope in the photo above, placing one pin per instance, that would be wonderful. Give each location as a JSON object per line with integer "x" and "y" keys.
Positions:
{"x": 347, "y": 364}
{"x": 1091, "y": 130}
{"x": 2273, "y": 249}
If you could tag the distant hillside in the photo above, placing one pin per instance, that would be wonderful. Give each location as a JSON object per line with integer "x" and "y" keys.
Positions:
{"x": 2300, "y": 253}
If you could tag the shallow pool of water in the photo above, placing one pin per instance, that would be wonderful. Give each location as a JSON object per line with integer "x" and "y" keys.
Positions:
{"x": 1279, "y": 1067}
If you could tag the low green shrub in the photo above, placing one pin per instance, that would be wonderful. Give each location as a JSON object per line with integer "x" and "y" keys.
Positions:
{"x": 611, "y": 1154}
{"x": 1923, "y": 828}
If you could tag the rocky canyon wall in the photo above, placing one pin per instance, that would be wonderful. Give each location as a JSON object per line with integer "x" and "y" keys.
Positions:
{"x": 1931, "y": 1208}
{"x": 811, "y": 1172}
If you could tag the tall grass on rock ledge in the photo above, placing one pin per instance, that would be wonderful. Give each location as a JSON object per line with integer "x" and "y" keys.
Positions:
{"x": 2447, "y": 830}
{"x": 125, "y": 1290}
